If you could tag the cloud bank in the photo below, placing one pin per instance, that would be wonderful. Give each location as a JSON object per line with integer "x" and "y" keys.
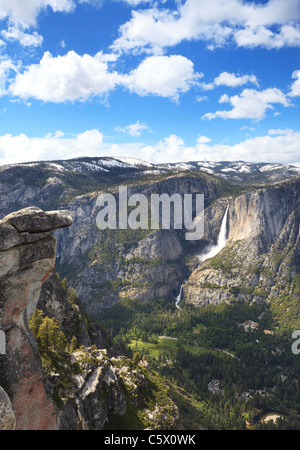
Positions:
{"x": 74, "y": 77}
{"x": 217, "y": 22}
{"x": 277, "y": 146}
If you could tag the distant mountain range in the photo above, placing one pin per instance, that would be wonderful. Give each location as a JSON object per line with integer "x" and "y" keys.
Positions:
{"x": 239, "y": 172}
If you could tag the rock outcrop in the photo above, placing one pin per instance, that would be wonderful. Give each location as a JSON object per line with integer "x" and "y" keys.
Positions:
{"x": 95, "y": 385}
{"x": 62, "y": 303}
{"x": 95, "y": 392}
{"x": 27, "y": 258}
{"x": 7, "y": 415}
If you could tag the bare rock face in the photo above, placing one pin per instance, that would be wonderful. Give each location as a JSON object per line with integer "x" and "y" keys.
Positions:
{"x": 93, "y": 262}
{"x": 261, "y": 251}
{"x": 7, "y": 415}
{"x": 94, "y": 394}
{"x": 35, "y": 220}
{"x": 162, "y": 244}
{"x": 27, "y": 258}
{"x": 54, "y": 302}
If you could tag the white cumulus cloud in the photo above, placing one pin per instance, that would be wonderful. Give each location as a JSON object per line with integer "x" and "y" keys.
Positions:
{"x": 278, "y": 146}
{"x": 134, "y": 129}
{"x": 250, "y": 104}
{"x": 73, "y": 77}
{"x": 230, "y": 80}
{"x": 65, "y": 78}
{"x": 21, "y": 148}
{"x": 15, "y": 32}
{"x": 282, "y": 147}
{"x": 251, "y": 37}
{"x": 295, "y": 88}
{"x": 26, "y": 11}
{"x": 6, "y": 67}
{"x": 215, "y": 21}
{"x": 165, "y": 76}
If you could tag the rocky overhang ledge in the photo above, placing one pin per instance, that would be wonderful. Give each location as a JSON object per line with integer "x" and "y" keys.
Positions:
{"x": 27, "y": 258}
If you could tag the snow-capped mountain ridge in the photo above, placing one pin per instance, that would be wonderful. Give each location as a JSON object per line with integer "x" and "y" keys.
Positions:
{"x": 234, "y": 171}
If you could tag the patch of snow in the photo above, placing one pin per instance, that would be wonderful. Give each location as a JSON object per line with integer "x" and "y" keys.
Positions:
{"x": 114, "y": 163}
{"x": 153, "y": 172}
{"x": 270, "y": 167}
{"x": 57, "y": 166}
{"x": 208, "y": 164}
{"x": 134, "y": 162}
{"x": 245, "y": 169}
{"x": 281, "y": 167}
{"x": 89, "y": 166}
{"x": 184, "y": 166}
{"x": 205, "y": 169}
{"x": 27, "y": 164}
{"x": 228, "y": 169}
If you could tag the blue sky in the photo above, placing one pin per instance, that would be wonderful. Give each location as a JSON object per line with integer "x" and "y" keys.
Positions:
{"x": 162, "y": 81}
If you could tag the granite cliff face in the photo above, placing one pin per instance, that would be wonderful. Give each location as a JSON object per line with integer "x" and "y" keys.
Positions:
{"x": 105, "y": 266}
{"x": 261, "y": 252}
{"x": 27, "y": 257}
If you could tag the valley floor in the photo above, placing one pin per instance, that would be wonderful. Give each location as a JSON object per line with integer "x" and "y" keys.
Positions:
{"x": 220, "y": 376}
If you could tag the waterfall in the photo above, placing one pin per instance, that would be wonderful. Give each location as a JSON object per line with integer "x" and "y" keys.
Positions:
{"x": 214, "y": 250}
{"x": 222, "y": 238}
{"x": 178, "y": 298}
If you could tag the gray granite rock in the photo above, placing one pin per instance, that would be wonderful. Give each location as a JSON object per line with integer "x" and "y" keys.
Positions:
{"x": 35, "y": 220}
{"x": 27, "y": 259}
{"x": 7, "y": 415}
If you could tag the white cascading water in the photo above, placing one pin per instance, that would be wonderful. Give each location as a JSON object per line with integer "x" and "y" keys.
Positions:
{"x": 178, "y": 298}
{"x": 213, "y": 251}
{"x": 222, "y": 238}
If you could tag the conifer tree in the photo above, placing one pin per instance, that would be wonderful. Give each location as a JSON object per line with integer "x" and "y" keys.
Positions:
{"x": 73, "y": 344}
{"x": 48, "y": 333}
{"x": 36, "y": 321}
